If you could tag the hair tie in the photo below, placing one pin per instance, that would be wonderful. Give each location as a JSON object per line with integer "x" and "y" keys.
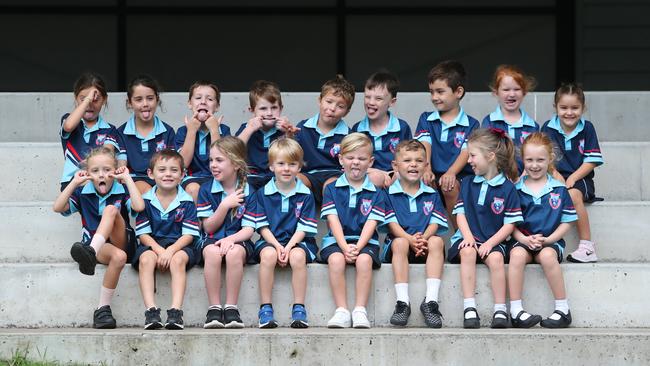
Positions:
{"x": 498, "y": 132}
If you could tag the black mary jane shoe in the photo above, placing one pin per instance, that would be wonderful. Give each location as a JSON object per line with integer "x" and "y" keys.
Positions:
{"x": 471, "y": 323}
{"x": 499, "y": 323}
{"x": 531, "y": 321}
{"x": 563, "y": 322}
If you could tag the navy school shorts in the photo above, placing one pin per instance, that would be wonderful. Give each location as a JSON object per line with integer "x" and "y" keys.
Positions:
{"x": 189, "y": 250}
{"x": 370, "y": 249}
{"x": 309, "y": 246}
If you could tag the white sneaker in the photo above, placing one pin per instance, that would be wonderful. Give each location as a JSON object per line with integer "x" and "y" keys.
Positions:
{"x": 360, "y": 319}
{"x": 341, "y": 319}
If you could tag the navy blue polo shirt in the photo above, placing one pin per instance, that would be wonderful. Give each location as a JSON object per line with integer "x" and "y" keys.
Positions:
{"x": 91, "y": 205}
{"x": 284, "y": 214}
{"x": 487, "y": 206}
{"x": 386, "y": 141}
{"x": 544, "y": 211}
{"x": 168, "y": 224}
{"x": 517, "y": 131}
{"x": 258, "y": 150}
{"x": 353, "y": 208}
{"x": 211, "y": 194}
{"x": 321, "y": 150}
{"x": 140, "y": 149}
{"x": 200, "y": 164}
{"x": 415, "y": 213}
{"x": 446, "y": 140}
{"x": 578, "y": 147}
{"x": 78, "y": 143}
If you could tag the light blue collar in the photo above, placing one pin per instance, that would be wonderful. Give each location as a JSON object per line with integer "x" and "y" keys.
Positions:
{"x": 342, "y": 181}
{"x": 89, "y": 188}
{"x": 181, "y": 196}
{"x": 461, "y": 119}
{"x": 341, "y": 127}
{"x": 393, "y": 125}
{"x": 524, "y": 120}
{"x": 218, "y": 188}
{"x": 158, "y": 128}
{"x": 271, "y": 188}
{"x": 101, "y": 123}
{"x": 496, "y": 181}
{"x": 396, "y": 187}
{"x": 551, "y": 183}
{"x": 555, "y": 124}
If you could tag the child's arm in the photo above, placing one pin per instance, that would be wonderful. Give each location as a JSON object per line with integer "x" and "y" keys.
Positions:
{"x": 558, "y": 234}
{"x": 253, "y": 125}
{"x": 580, "y": 173}
{"x": 268, "y": 237}
{"x": 463, "y": 226}
{"x": 366, "y": 233}
{"x": 448, "y": 180}
{"x": 62, "y": 202}
{"x": 148, "y": 240}
{"x": 527, "y": 240}
{"x": 214, "y": 222}
{"x": 213, "y": 123}
{"x": 165, "y": 258}
{"x": 123, "y": 176}
{"x": 501, "y": 235}
{"x": 428, "y": 176}
{"x": 187, "y": 148}
{"x": 74, "y": 118}
{"x": 337, "y": 232}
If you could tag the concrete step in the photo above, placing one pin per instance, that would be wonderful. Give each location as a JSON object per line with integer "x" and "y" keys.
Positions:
{"x": 327, "y": 346}
{"x": 57, "y": 295}
{"x": 33, "y": 233}
{"x": 38, "y": 167}
{"x": 618, "y": 116}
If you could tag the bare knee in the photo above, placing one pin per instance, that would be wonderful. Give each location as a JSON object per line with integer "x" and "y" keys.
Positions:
{"x": 118, "y": 258}
{"x": 235, "y": 256}
{"x": 547, "y": 257}
{"x": 297, "y": 258}
{"x": 468, "y": 254}
{"x": 518, "y": 257}
{"x": 400, "y": 247}
{"x": 147, "y": 260}
{"x": 268, "y": 256}
{"x": 212, "y": 255}
{"x": 110, "y": 211}
{"x": 363, "y": 263}
{"x": 336, "y": 262}
{"x": 435, "y": 245}
{"x": 495, "y": 261}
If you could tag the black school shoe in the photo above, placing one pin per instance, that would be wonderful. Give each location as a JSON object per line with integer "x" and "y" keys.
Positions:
{"x": 431, "y": 314}
{"x": 231, "y": 318}
{"x": 563, "y": 322}
{"x": 471, "y": 323}
{"x": 174, "y": 319}
{"x": 214, "y": 318}
{"x": 152, "y": 319}
{"x": 86, "y": 257}
{"x": 499, "y": 323}
{"x": 103, "y": 318}
{"x": 401, "y": 314}
{"x": 531, "y": 321}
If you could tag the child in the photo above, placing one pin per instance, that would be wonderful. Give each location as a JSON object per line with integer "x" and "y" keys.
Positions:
{"x": 286, "y": 219}
{"x": 510, "y": 86}
{"x": 444, "y": 132}
{"x": 261, "y": 130}
{"x": 415, "y": 217}
{"x": 167, "y": 229}
{"x": 353, "y": 207}
{"x": 548, "y": 212}
{"x": 487, "y": 209}
{"x": 320, "y": 136}
{"x": 144, "y": 133}
{"x": 103, "y": 228}
{"x": 221, "y": 207}
{"x": 381, "y": 126}
{"x": 194, "y": 139}
{"x": 84, "y": 129}
{"x": 576, "y": 138}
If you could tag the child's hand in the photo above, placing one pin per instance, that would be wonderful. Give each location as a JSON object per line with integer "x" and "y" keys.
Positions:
{"x": 447, "y": 182}
{"x": 428, "y": 177}
{"x": 484, "y": 250}
{"x": 531, "y": 242}
{"x": 225, "y": 245}
{"x": 92, "y": 96}
{"x": 213, "y": 122}
{"x": 467, "y": 244}
{"x": 423, "y": 245}
{"x": 80, "y": 177}
{"x": 285, "y": 126}
{"x": 121, "y": 174}
{"x": 218, "y": 245}
{"x": 193, "y": 124}
{"x": 254, "y": 123}
{"x": 540, "y": 240}
{"x": 387, "y": 180}
{"x": 282, "y": 255}
{"x": 234, "y": 199}
{"x": 570, "y": 182}
{"x": 164, "y": 259}
{"x": 351, "y": 253}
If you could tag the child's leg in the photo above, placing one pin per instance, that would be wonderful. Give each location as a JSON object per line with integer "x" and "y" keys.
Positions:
{"x": 450, "y": 198}
{"x": 548, "y": 259}
{"x": 111, "y": 227}
{"x": 177, "y": 267}
{"x": 235, "y": 259}
{"x": 495, "y": 263}
{"x": 146, "y": 272}
{"x": 298, "y": 263}
{"x": 336, "y": 269}
{"x": 363, "y": 265}
{"x": 519, "y": 257}
{"x": 143, "y": 186}
{"x": 400, "y": 249}
{"x": 434, "y": 267}
{"x": 468, "y": 272}
{"x": 115, "y": 258}
{"x": 268, "y": 260}
{"x": 584, "y": 230}
{"x": 212, "y": 273}
{"x": 193, "y": 190}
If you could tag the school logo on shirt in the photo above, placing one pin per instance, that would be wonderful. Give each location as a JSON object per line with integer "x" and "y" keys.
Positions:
{"x": 581, "y": 146}
{"x": 180, "y": 214}
{"x": 101, "y": 137}
{"x": 524, "y": 135}
{"x": 335, "y": 150}
{"x": 298, "y": 209}
{"x": 240, "y": 211}
{"x": 160, "y": 145}
{"x": 393, "y": 144}
{"x": 366, "y": 206}
{"x": 459, "y": 139}
{"x": 554, "y": 200}
{"x": 428, "y": 207}
{"x": 497, "y": 205}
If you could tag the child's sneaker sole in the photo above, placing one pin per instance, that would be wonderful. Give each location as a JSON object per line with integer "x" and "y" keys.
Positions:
{"x": 299, "y": 324}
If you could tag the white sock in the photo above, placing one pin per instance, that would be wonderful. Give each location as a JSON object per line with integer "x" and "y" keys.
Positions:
{"x": 217, "y": 306}
{"x": 433, "y": 286}
{"x": 402, "y": 292}
{"x": 230, "y": 306}
{"x": 501, "y": 307}
{"x": 105, "y": 296}
{"x": 97, "y": 241}
{"x": 470, "y": 303}
{"x": 515, "y": 308}
{"x": 360, "y": 308}
{"x": 561, "y": 305}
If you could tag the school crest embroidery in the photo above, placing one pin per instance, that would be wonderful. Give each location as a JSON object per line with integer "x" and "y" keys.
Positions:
{"x": 179, "y": 215}
{"x": 427, "y": 208}
{"x": 555, "y": 201}
{"x": 298, "y": 209}
{"x": 99, "y": 140}
{"x": 581, "y": 146}
{"x": 497, "y": 205}
{"x": 366, "y": 206}
{"x": 160, "y": 145}
{"x": 459, "y": 139}
{"x": 240, "y": 211}
{"x": 524, "y": 135}
{"x": 335, "y": 150}
{"x": 393, "y": 144}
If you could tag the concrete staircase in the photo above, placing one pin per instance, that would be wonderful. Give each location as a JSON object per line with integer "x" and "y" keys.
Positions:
{"x": 42, "y": 287}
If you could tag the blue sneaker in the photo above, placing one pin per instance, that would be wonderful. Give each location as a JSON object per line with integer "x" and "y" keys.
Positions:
{"x": 266, "y": 317}
{"x": 299, "y": 316}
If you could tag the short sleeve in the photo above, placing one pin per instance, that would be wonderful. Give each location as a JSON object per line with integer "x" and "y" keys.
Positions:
{"x": 142, "y": 223}
{"x": 569, "y": 213}
{"x": 249, "y": 218}
{"x": 459, "y": 207}
{"x": 439, "y": 216}
{"x": 179, "y": 138}
{"x": 592, "y": 153}
{"x": 256, "y": 214}
{"x": 204, "y": 207}
{"x": 328, "y": 207}
{"x": 512, "y": 209}
{"x": 473, "y": 125}
{"x": 170, "y": 141}
{"x": 422, "y": 131}
{"x": 389, "y": 215}
{"x": 487, "y": 122}
{"x": 190, "y": 221}
{"x": 64, "y": 135}
{"x": 378, "y": 210}
{"x": 405, "y": 132}
{"x": 308, "y": 221}
{"x": 224, "y": 130}
{"x": 73, "y": 203}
